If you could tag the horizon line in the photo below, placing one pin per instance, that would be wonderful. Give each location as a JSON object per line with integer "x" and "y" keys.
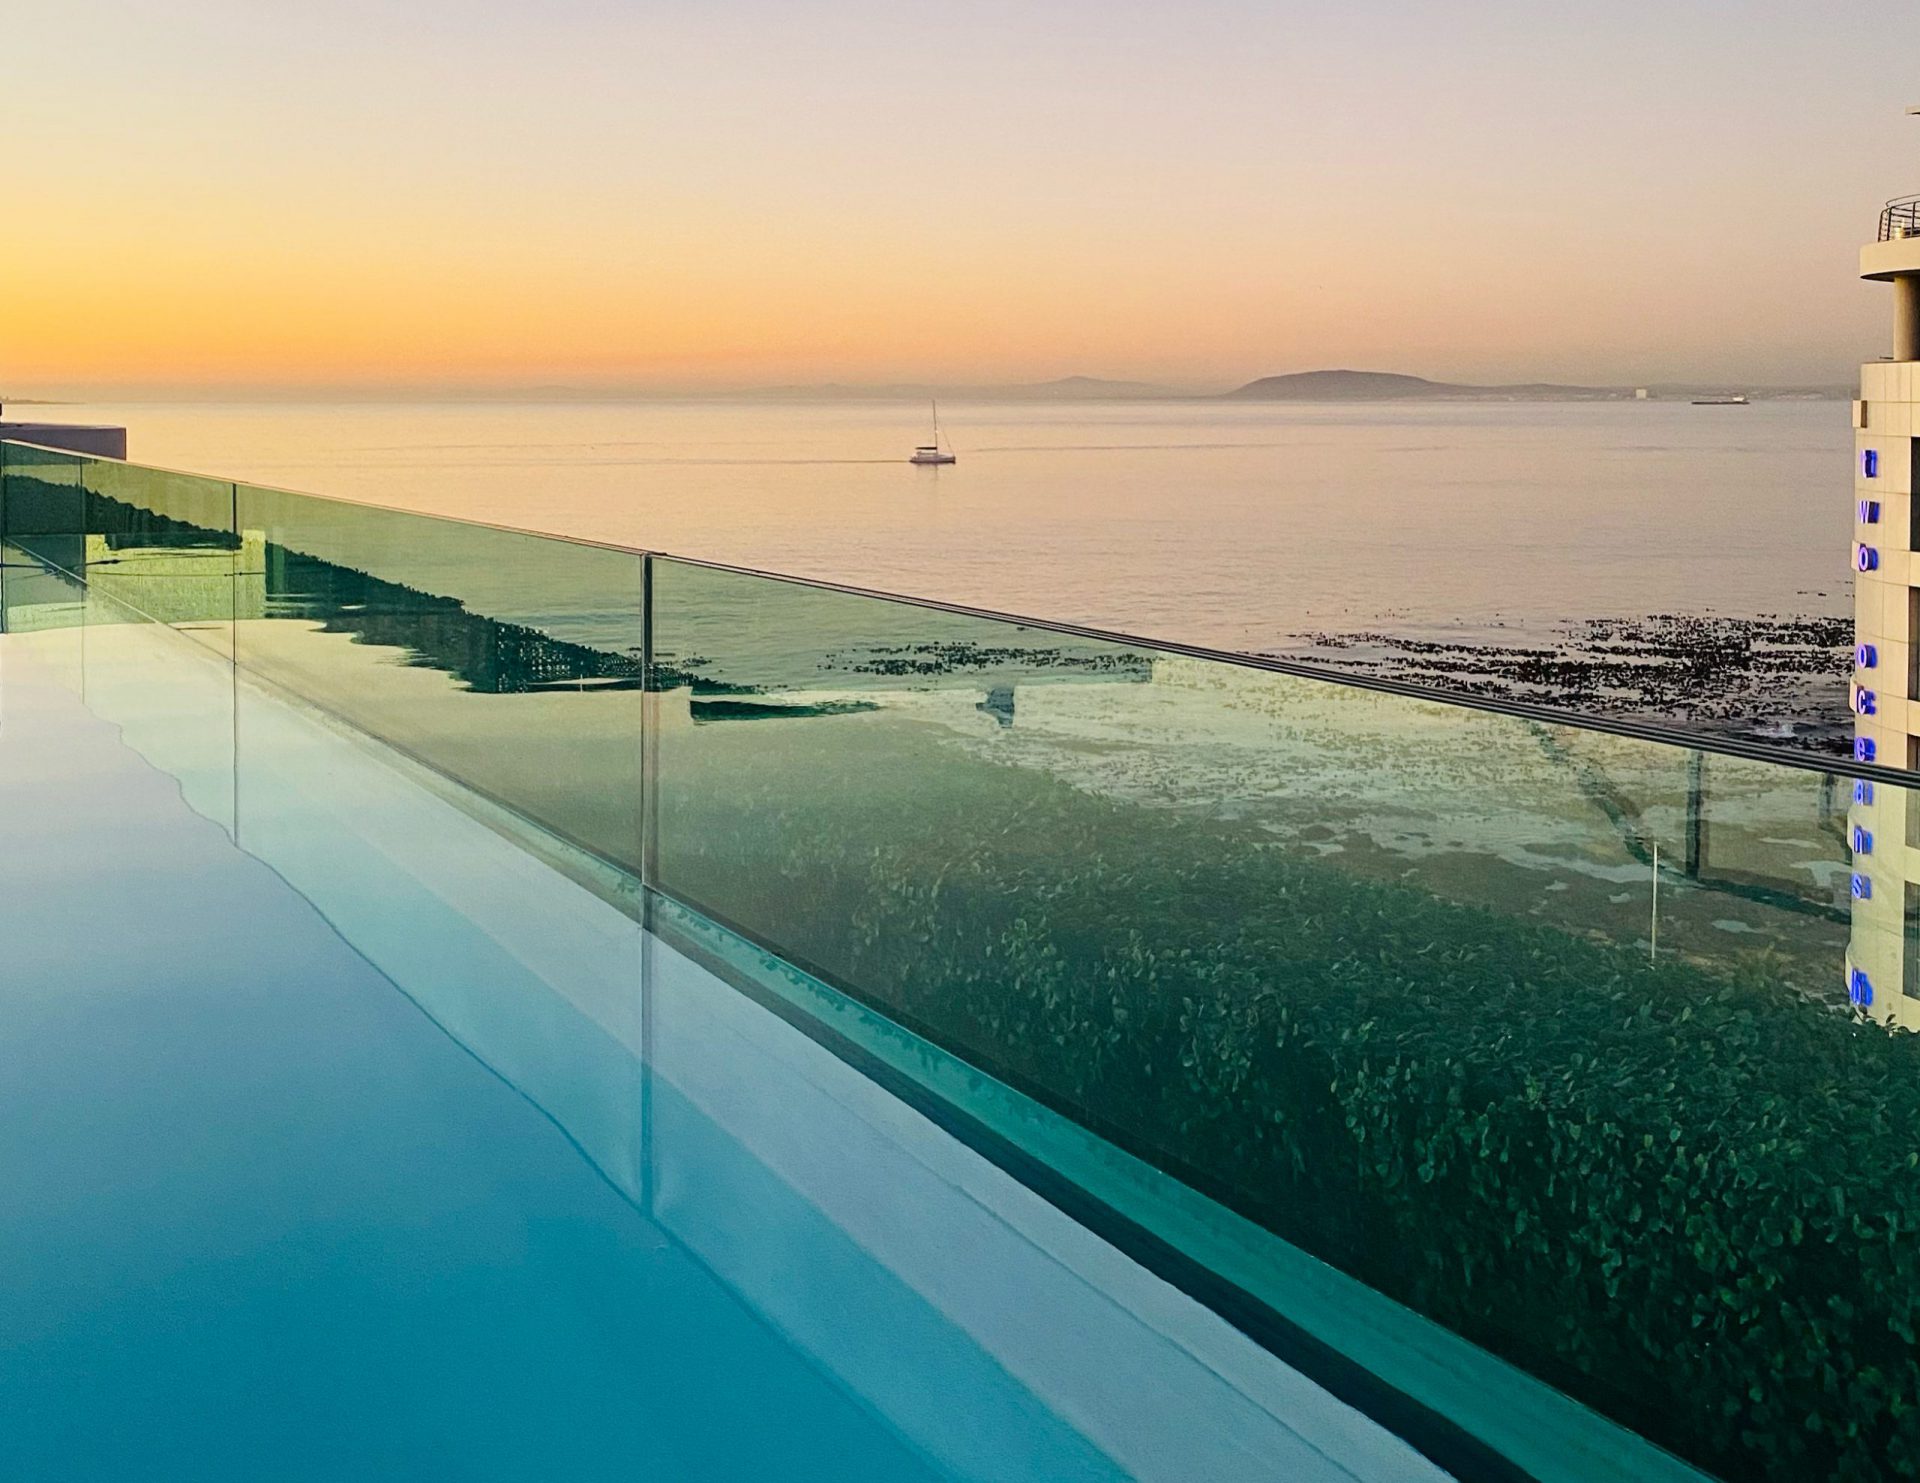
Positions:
{"x": 1112, "y": 388}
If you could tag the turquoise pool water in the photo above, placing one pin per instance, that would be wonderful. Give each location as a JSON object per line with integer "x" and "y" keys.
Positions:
{"x": 266, "y": 1218}
{"x": 344, "y": 1137}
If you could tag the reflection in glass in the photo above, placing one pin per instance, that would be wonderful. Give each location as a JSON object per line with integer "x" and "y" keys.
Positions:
{"x": 1540, "y": 1031}
{"x": 1574, "y": 1043}
{"x": 508, "y": 662}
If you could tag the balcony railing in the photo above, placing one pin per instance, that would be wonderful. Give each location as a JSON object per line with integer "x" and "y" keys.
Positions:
{"x": 1899, "y": 218}
{"x": 1513, "y": 1076}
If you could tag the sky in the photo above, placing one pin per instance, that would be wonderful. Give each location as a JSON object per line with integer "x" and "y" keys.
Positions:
{"x": 227, "y": 196}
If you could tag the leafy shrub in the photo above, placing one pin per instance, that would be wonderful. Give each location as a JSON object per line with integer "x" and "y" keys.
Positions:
{"x": 1688, "y": 1198}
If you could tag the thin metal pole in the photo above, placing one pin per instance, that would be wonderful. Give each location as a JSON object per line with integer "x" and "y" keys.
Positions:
{"x": 649, "y": 824}
{"x": 1653, "y": 941}
{"x": 649, "y": 736}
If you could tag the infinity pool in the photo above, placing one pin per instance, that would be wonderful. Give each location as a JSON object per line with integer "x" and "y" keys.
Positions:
{"x": 346, "y": 1135}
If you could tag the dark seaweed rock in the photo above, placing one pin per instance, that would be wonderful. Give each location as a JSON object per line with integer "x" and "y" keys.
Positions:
{"x": 965, "y": 657}
{"x": 1775, "y": 679}
{"x": 758, "y": 710}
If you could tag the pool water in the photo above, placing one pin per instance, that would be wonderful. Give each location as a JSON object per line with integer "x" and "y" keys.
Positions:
{"x": 343, "y": 1135}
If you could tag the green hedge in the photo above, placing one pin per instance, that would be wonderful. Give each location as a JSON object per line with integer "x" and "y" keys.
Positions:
{"x": 1688, "y": 1198}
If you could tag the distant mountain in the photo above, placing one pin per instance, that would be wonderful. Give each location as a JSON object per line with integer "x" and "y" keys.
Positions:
{"x": 1305, "y": 386}
{"x": 1383, "y": 386}
{"x": 1336, "y": 386}
{"x": 1388, "y": 386}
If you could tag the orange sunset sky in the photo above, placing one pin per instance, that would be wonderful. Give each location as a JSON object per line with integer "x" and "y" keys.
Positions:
{"x": 207, "y": 195}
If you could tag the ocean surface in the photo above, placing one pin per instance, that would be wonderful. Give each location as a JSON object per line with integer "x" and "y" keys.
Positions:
{"x": 1456, "y": 543}
{"x": 1226, "y": 524}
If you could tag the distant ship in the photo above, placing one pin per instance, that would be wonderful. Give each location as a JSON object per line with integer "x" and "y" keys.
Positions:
{"x": 933, "y": 452}
{"x": 1735, "y": 400}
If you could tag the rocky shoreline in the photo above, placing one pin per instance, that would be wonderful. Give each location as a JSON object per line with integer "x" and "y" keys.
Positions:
{"x": 1777, "y": 679}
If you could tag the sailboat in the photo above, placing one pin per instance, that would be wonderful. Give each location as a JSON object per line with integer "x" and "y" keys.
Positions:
{"x": 932, "y": 452}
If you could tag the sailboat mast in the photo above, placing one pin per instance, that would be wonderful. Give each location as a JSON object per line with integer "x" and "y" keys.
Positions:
{"x": 932, "y": 452}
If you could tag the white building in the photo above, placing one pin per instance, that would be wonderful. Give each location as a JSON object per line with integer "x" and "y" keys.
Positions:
{"x": 1883, "y": 970}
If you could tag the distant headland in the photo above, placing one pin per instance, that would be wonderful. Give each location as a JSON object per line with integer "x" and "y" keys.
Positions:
{"x": 1301, "y": 386}
{"x": 1390, "y": 386}
{"x": 1306, "y": 386}
{"x": 1297, "y": 386}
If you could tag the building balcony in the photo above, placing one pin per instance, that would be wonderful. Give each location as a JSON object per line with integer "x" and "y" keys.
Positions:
{"x": 1900, "y": 219}
{"x": 487, "y": 1005}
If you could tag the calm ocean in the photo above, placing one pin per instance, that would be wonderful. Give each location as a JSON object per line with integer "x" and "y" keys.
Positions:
{"x": 1233, "y": 525}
